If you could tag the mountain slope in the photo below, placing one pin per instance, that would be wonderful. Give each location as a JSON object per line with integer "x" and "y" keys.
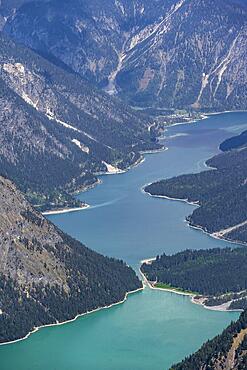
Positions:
{"x": 220, "y": 193}
{"x": 8, "y": 9}
{"x": 235, "y": 142}
{"x": 195, "y": 56}
{"x": 64, "y": 121}
{"x": 31, "y": 154}
{"x": 227, "y": 351}
{"x": 184, "y": 53}
{"x": 45, "y": 275}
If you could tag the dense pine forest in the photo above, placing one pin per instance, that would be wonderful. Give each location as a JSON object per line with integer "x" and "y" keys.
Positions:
{"x": 221, "y": 192}
{"x": 234, "y": 142}
{"x": 57, "y": 132}
{"x": 209, "y": 272}
{"x": 93, "y": 281}
{"x": 218, "y": 276}
{"x": 45, "y": 275}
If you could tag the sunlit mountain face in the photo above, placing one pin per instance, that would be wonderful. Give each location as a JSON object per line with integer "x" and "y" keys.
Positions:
{"x": 146, "y": 52}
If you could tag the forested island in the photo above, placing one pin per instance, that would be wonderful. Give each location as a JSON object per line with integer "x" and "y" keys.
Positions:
{"x": 220, "y": 193}
{"x": 215, "y": 277}
{"x": 47, "y": 277}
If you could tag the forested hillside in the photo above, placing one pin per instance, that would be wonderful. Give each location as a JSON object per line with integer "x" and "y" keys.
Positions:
{"x": 220, "y": 193}
{"x": 217, "y": 275}
{"x": 227, "y": 351}
{"x": 147, "y": 55}
{"x": 45, "y": 275}
{"x": 234, "y": 142}
{"x": 57, "y": 132}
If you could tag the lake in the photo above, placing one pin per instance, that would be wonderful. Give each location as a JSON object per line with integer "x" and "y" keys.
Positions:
{"x": 152, "y": 329}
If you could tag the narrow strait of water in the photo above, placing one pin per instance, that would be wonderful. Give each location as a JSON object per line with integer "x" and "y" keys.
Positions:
{"x": 153, "y": 329}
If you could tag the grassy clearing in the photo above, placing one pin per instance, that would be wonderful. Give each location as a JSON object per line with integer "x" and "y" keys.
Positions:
{"x": 175, "y": 289}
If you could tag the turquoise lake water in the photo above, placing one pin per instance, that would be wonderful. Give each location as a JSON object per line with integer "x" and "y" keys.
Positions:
{"x": 152, "y": 329}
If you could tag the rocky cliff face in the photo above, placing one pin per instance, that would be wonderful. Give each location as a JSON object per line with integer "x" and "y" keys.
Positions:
{"x": 183, "y": 53}
{"x": 45, "y": 275}
{"x": 195, "y": 56}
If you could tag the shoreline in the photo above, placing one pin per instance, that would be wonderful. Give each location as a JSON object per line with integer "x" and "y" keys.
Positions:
{"x": 219, "y": 308}
{"x": 226, "y": 111}
{"x": 189, "y": 224}
{"x": 212, "y": 235}
{"x": 204, "y": 115}
{"x": 120, "y": 172}
{"x": 65, "y": 210}
{"x": 85, "y": 188}
{"x": 149, "y": 285}
{"x": 161, "y": 150}
{"x": 74, "y": 318}
{"x": 192, "y": 296}
{"x": 195, "y": 204}
{"x": 145, "y": 282}
{"x": 193, "y": 120}
{"x": 137, "y": 163}
{"x": 99, "y": 182}
{"x": 54, "y": 212}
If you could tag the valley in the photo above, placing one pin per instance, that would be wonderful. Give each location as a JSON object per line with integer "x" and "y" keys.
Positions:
{"x": 154, "y": 93}
{"x": 63, "y": 131}
{"x": 120, "y": 200}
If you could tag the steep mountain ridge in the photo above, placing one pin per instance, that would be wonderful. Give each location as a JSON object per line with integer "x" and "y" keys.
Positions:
{"x": 196, "y": 56}
{"x": 173, "y": 54}
{"x": 27, "y": 142}
{"x": 77, "y": 131}
{"x": 46, "y": 276}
